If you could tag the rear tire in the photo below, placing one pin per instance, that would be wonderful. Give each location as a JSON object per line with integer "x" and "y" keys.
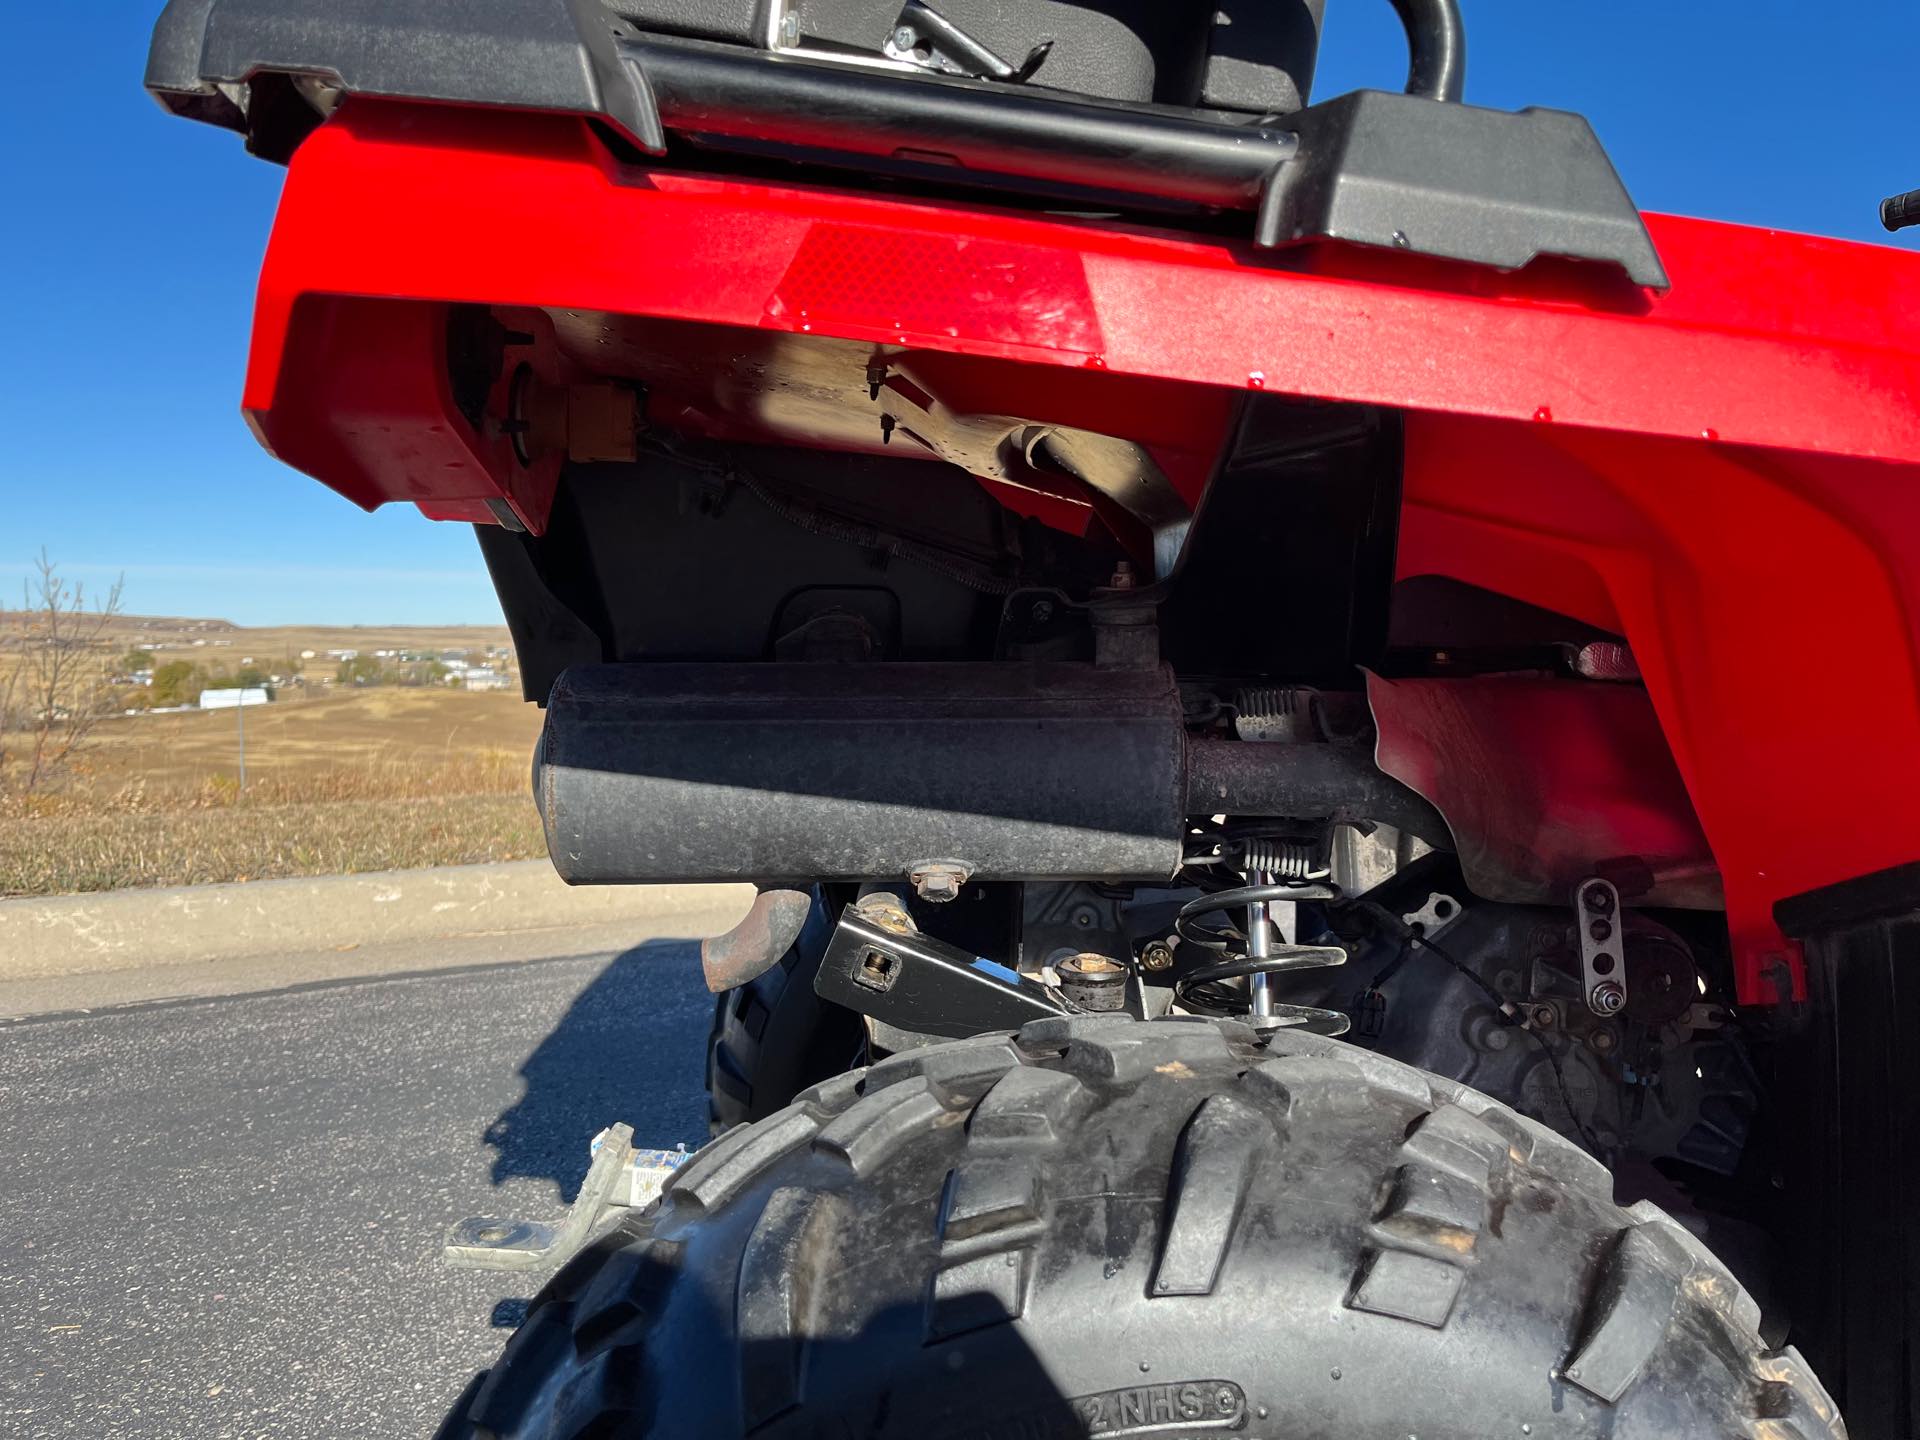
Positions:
{"x": 1107, "y": 1227}
{"x": 773, "y": 1037}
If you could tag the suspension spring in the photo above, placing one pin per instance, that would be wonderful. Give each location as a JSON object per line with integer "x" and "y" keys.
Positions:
{"x": 1285, "y": 860}
{"x": 1253, "y": 954}
{"x": 1276, "y": 712}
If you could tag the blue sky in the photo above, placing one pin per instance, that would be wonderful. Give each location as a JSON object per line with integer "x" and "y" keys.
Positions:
{"x": 131, "y": 242}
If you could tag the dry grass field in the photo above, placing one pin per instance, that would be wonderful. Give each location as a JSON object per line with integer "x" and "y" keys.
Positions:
{"x": 345, "y": 781}
{"x": 309, "y": 735}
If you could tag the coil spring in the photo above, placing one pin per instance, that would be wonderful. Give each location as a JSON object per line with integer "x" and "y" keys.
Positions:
{"x": 1284, "y": 858}
{"x": 1281, "y": 711}
{"x": 1200, "y": 989}
{"x": 1268, "y": 701}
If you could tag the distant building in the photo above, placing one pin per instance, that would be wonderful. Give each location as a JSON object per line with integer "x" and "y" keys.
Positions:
{"x": 233, "y": 699}
{"x": 484, "y": 680}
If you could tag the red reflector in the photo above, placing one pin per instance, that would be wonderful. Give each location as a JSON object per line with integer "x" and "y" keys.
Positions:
{"x": 906, "y": 285}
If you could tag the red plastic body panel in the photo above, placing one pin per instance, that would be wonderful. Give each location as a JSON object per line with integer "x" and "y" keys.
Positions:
{"x": 1728, "y": 475}
{"x": 1545, "y": 781}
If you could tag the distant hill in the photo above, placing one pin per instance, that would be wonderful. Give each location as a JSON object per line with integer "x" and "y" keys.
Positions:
{"x": 168, "y": 635}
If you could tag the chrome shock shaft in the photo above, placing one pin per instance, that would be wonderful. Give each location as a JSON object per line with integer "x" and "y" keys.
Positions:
{"x": 1259, "y": 948}
{"x": 1250, "y": 952}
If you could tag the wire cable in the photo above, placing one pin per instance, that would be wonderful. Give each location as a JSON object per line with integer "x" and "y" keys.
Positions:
{"x": 1509, "y": 1012}
{"x": 1503, "y": 1007}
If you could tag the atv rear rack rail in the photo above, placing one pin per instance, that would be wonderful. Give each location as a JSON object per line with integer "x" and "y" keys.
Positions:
{"x": 1397, "y": 171}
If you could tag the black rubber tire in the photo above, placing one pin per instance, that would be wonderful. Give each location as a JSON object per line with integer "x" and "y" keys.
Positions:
{"x": 1106, "y": 1227}
{"x": 773, "y": 1037}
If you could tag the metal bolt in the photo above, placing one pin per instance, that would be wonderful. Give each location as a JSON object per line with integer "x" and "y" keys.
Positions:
{"x": 1042, "y": 611}
{"x": 938, "y": 881}
{"x": 1157, "y": 955}
{"x": 1122, "y": 576}
{"x": 937, "y": 887}
{"x": 1543, "y": 1017}
{"x": 886, "y": 911}
{"x": 903, "y": 38}
{"x": 1604, "y": 1042}
{"x": 1607, "y": 999}
{"x": 1598, "y": 898}
{"x": 790, "y": 28}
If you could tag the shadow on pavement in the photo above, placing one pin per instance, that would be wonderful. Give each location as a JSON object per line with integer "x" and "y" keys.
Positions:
{"x": 631, "y": 1047}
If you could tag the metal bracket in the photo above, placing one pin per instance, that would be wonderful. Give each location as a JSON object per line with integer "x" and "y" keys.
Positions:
{"x": 620, "y": 1178}
{"x": 1603, "y": 973}
{"x": 1437, "y": 914}
{"x": 879, "y": 965}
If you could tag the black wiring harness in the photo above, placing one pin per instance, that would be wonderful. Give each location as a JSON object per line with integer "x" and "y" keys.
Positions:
{"x": 1412, "y": 937}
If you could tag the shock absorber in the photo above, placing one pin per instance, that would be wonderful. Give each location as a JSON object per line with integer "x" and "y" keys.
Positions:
{"x": 1277, "y": 873}
{"x": 1266, "y": 862}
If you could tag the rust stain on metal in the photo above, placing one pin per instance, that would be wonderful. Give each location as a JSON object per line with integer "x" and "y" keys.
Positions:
{"x": 755, "y": 945}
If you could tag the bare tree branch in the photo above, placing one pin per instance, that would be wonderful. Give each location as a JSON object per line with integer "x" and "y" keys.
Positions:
{"x": 54, "y": 687}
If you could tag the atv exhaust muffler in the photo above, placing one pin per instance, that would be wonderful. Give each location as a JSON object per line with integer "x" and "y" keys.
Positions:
{"x": 822, "y": 772}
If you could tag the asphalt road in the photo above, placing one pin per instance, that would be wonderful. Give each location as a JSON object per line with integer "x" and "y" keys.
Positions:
{"x": 220, "y": 1216}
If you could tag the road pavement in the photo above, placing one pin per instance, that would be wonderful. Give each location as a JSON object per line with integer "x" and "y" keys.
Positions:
{"x": 220, "y": 1213}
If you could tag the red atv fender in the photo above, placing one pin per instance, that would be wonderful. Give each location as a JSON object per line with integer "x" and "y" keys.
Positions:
{"x": 1724, "y": 473}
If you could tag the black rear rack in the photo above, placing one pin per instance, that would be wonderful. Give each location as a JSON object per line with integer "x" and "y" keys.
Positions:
{"x": 1400, "y": 171}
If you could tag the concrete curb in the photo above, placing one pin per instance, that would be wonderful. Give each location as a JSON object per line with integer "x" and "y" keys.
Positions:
{"x": 133, "y": 929}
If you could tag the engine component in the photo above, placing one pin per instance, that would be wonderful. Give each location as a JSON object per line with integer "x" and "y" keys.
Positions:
{"x": 1663, "y": 1080}
{"x": 815, "y": 772}
{"x": 1661, "y": 981}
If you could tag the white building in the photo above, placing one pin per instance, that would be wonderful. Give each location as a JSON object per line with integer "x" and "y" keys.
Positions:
{"x": 233, "y": 699}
